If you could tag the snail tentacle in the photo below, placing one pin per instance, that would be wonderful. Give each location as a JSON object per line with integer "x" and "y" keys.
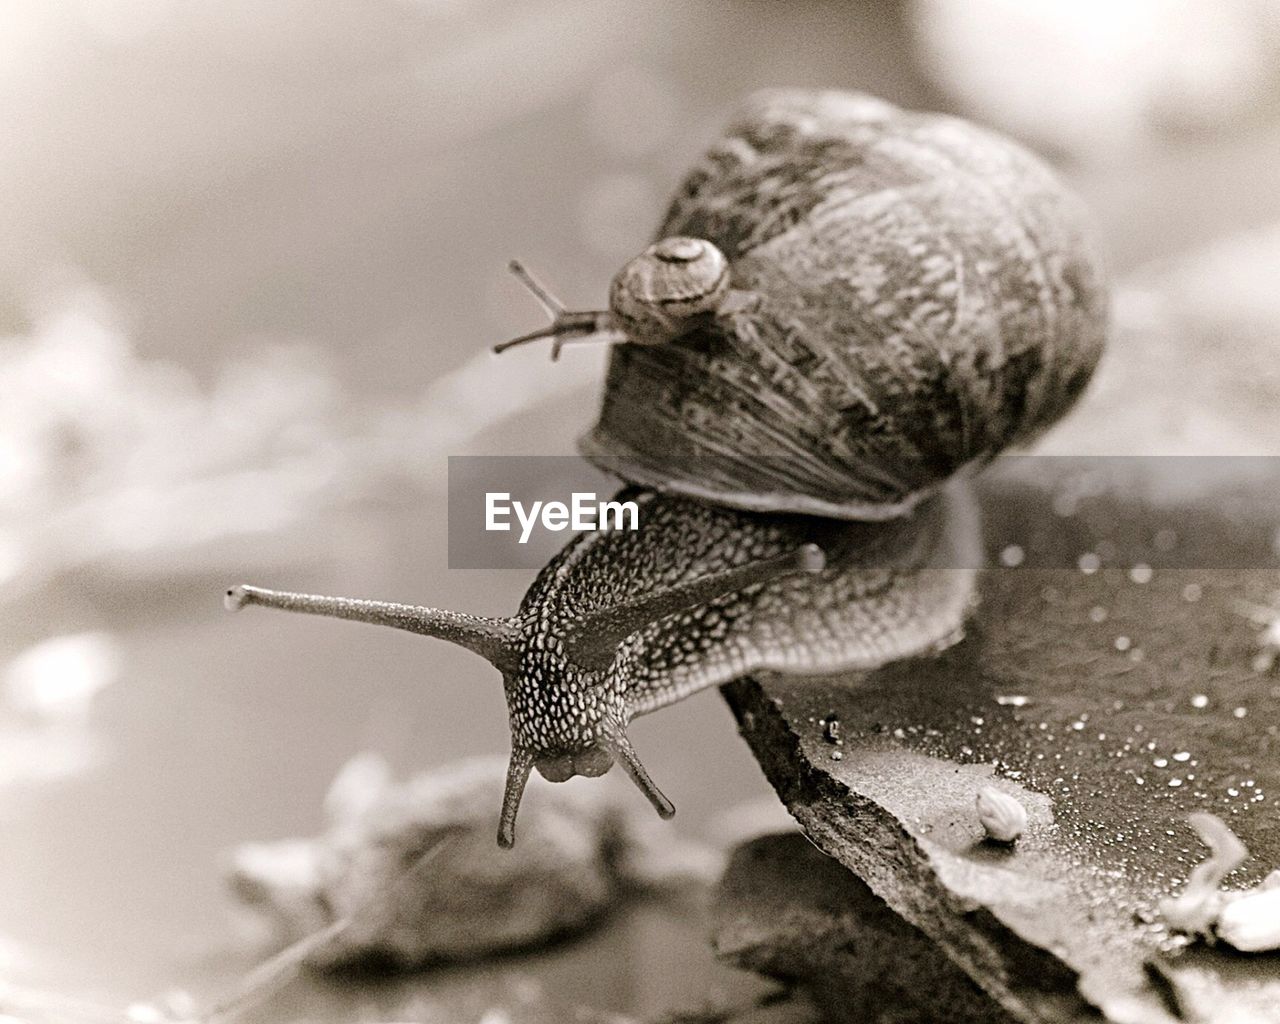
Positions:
{"x": 566, "y": 325}
{"x": 616, "y": 742}
{"x": 495, "y": 640}
{"x": 518, "y": 769}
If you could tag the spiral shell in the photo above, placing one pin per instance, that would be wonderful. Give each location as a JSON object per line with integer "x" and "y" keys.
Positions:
{"x": 657, "y": 294}
{"x": 914, "y": 294}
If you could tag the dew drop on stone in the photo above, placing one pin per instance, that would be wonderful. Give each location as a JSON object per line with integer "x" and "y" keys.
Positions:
{"x": 1240, "y": 712}
{"x": 1012, "y": 700}
{"x": 1161, "y": 762}
{"x": 1192, "y": 592}
{"x": 1097, "y": 613}
{"x": 1141, "y": 573}
{"x": 1122, "y": 643}
{"x": 1089, "y": 563}
{"x": 1182, "y": 755}
{"x": 1013, "y": 556}
{"x": 1199, "y": 701}
{"x": 1175, "y": 783}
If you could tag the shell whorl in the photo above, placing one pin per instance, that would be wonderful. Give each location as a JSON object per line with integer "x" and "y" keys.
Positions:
{"x": 923, "y": 294}
{"x": 677, "y": 279}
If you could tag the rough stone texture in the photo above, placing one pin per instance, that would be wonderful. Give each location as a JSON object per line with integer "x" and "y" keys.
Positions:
{"x": 786, "y": 910}
{"x": 790, "y": 1010}
{"x": 582, "y": 849}
{"x": 1111, "y": 703}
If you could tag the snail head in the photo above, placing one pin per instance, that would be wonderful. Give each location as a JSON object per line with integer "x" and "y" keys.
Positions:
{"x": 656, "y": 297}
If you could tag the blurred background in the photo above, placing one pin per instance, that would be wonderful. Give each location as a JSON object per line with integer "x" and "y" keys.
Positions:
{"x": 253, "y": 258}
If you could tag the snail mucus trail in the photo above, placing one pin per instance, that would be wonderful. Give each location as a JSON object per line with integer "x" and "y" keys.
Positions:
{"x": 848, "y": 306}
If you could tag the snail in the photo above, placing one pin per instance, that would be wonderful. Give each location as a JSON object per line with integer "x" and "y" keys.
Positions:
{"x": 849, "y": 309}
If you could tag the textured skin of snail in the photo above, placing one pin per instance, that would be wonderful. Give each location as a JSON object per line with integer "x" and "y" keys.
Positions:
{"x": 890, "y": 590}
{"x": 915, "y": 294}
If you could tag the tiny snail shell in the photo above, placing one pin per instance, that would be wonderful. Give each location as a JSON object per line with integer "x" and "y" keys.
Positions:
{"x": 657, "y": 296}
{"x": 847, "y": 307}
{"x": 1003, "y": 817}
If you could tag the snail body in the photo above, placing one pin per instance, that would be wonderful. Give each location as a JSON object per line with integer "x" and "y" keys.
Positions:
{"x": 623, "y": 623}
{"x": 849, "y": 306}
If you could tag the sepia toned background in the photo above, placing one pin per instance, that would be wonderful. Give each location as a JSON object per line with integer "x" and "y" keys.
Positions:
{"x": 253, "y": 258}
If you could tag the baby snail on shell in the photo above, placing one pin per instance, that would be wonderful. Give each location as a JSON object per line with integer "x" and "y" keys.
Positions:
{"x": 849, "y": 308}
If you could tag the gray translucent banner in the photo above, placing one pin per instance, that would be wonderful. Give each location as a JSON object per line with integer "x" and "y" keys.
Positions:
{"x": 1133, "y": 514}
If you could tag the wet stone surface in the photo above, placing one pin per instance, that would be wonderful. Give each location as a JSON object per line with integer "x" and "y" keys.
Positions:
{"x": 1112, "y": 681}
{"x": 785, "y": 910}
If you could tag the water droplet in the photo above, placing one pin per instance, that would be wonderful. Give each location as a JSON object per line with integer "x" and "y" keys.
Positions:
{"x": 1122, "y": 643}
{"x": 1089, "y": 563}
{"x": 1161, "y": 762}
{"x": 1192, "y": 592}
{"x": 1174, "y": 784}
{"x": 1013, "y": 556}
{"x": 836, "y": 755}
{"x": 1182, "y": 755}
{"x": 1097, "y": 613}
{"x": 1012, "y": 700}
{"x": 1199, "y": 701}
{"x": 1141, "y": 573}
{"x": 1240, "y": 712}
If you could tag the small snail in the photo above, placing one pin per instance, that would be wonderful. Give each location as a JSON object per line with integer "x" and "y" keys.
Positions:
{"x": 849, "y": 305}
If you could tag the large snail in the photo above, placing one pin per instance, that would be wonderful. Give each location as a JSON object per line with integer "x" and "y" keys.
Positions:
{"x": 849, "y": 306}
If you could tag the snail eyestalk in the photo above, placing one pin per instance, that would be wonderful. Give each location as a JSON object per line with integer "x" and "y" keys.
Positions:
{"x": 595, "y": 639}
{"x": 566, "y": 325}
{"x": 492, "y": 639}
{"x": 518, "y": 769}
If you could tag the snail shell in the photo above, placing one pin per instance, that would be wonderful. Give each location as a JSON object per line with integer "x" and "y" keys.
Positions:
{"x": 910, "y": 296}
{"x": 667, "y": 286}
